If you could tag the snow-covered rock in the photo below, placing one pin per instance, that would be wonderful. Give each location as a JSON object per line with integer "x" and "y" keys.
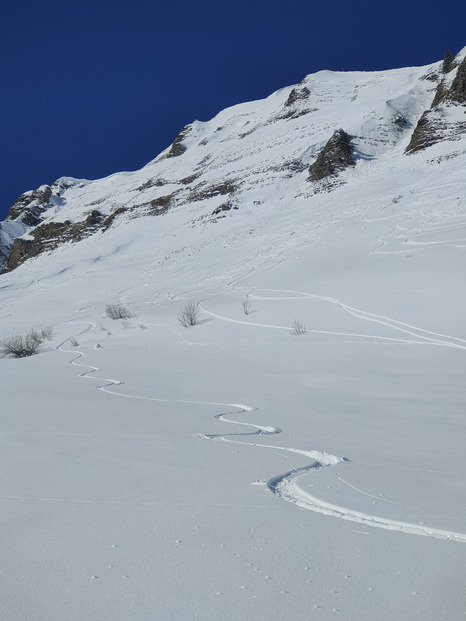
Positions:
{"x": 445, "y": 119}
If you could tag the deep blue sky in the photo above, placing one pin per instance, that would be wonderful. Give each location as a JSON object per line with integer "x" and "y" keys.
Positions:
{"x": 91, "y": 88}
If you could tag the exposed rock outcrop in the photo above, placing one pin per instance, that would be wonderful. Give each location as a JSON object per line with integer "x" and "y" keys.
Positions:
{"x": 448, "y": 62}
{"x": 457, "y": 92}
{"x": 178, "y": 148}
{"x": 427, "y": 132}
{"x": 202, "y": 191}
{"x": 31, "y": 205}
{"x": 25, "y": 213}
{"x": 297, "y": 94}
{"x": 444, "y": 119}
{"x": 336, "y": 155}
{"x": 29, "y": 210}
{"x": 47, "y": 237}
{"x": 297, "y": 103}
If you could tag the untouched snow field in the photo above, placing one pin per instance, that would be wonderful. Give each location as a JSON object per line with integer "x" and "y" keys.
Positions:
{"x": 232, "y": 470}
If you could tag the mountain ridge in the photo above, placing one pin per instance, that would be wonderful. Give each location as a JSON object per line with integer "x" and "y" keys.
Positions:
{"x": 264, "y": 146}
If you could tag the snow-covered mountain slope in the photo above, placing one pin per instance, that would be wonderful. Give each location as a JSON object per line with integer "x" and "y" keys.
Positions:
{"x": 248, "y": 153}
{"x": 297, "y": 454}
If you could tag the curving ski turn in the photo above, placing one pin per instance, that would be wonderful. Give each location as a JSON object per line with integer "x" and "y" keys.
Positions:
{"x": 285, "y": 485}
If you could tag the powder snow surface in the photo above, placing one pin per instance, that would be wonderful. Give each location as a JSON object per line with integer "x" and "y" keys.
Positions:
{"x": 233, "y": 470}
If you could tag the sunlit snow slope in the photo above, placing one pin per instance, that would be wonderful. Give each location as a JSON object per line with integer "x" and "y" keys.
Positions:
{"x": 243, "y": 468}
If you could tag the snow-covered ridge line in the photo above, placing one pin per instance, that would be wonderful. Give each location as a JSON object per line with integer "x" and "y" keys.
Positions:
{"x": 227, "y": 163}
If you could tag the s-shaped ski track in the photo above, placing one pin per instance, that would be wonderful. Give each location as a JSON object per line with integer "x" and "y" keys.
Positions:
{"x": 285, "y": 485}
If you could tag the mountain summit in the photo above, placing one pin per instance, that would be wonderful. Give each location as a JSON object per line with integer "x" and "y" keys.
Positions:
{"x": 301, "y": 140}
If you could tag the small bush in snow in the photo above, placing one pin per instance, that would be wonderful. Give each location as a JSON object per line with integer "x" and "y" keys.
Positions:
{"x": 189, "y": 315}
{"x": 297, "y": 328}
{"x": 22, "y": 345}
{"x": 246, "y": 304}
{"x": 46, "y": 333}
{"x": 74, "y": 342}
{"x": 117, "y": 311}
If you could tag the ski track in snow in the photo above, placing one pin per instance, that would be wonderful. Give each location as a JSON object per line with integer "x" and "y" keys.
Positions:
{"x": 424, "y": 336}
{"x": 285, "y": 485}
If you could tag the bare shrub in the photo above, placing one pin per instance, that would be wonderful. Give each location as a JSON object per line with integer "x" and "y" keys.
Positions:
{"x": 46, "y": 333}
{"x": 118, "y": 311}
{"x": 21, "y": 345}
{"x": 189, "y": 315}
{"x": 74, "y": 342}
{"x": 246, "y": 304}
{"x": 297, "y": 328}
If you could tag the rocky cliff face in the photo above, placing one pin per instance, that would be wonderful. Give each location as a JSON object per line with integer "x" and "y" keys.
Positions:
{"x": 446, "y": 118}
{"x": 335, "y": 156}
{"x": 30, "y": 205}
{"x": 47, "y": 237}
{"x": 288, "y": 145}
{"x": 25, "y": 215}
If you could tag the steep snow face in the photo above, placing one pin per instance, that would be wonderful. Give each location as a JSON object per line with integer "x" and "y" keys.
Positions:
{"x": 235, "y": 159}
